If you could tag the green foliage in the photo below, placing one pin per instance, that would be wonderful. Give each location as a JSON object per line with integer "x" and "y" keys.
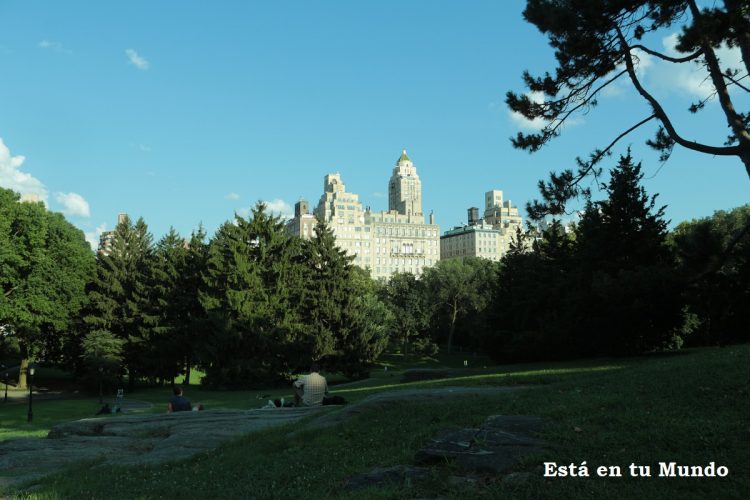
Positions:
{"x": 122, "y": 296}
{"x": 626, "y": 270}
{"x": 102, "y": 349}
{"x": 330, "y": 291}
{"x": 459, "y": 290}
{"x": 611, "y": 288}
{"x": 360, "y": 344}
{"x": 531, "y": 307}
{"x": 192, "y": 316}
{"x": 715, "y": 262}
{"x": 276, "y": 303}
{"x": 45, "y": 264}
{"x": 166, "y": 350}
{"x": 407, "y": 299}
{"x": 252, "y": 288}
{"x": 102, "y": 357}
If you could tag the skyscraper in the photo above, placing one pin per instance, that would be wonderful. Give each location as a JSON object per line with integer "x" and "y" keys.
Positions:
{"x": 405, "y": 189}
{"x": 397, "y": 240}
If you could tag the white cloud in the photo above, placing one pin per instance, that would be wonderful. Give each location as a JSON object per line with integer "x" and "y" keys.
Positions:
{"x": 53, "y": 46}
{"x": 137, "y": 60}
{"x": 11, "y": 176}
{"x": 378, "y": 194}
{"x": 689, "y": 78}
{"x": 276, "y": 207}
{"x": 144, "y": 148}
{"x": 73, "y": 204}
{"x": 279, "y": 208}
{"x": 93, "y": 236}
{"x": 232, "y": 196}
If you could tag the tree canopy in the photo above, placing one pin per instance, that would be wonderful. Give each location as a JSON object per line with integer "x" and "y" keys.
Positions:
{"x": 608, "y": 287}
{"x": 45, "y": 264}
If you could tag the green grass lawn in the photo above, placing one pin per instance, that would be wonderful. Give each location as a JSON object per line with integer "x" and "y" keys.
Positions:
{"x": 691, "y": 408}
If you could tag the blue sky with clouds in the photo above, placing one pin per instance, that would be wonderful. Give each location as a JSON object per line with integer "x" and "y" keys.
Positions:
{"x": 185, "y": 112}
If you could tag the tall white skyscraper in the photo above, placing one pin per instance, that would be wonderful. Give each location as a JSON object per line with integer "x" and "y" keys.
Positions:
{"x": 405, "y": 189}
{"x": 397, "y": 240}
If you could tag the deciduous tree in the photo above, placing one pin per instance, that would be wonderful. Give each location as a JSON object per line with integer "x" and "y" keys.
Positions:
{"x": 45, "y": 264}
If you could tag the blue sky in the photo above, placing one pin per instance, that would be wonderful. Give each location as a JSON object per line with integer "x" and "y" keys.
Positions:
{"x": 185, "y": 112}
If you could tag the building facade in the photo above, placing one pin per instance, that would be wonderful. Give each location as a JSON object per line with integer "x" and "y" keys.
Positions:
{"x": 303, "y": 222}
{"x": 107, "y": 237}
{"x": 488, "y": 237}
{"x": 386, "y": 242}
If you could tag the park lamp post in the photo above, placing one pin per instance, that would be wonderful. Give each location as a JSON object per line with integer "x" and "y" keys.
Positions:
{"x": 31, "y": 386}
{"x": 6, "y": 379}
{"x": 101, "y": 372}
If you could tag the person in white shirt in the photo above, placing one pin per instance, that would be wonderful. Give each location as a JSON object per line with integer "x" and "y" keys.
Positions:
{"x": 309, "y": 390}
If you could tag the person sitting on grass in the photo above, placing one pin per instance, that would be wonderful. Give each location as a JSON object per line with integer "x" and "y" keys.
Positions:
{"x": 310, "y": 390}
{"x": 178, "y": 402}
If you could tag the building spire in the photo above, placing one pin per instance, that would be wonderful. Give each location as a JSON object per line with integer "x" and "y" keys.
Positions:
{"x": 404, "y": 156}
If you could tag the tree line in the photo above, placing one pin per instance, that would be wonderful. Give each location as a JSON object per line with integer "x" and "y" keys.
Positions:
{"x": 251, "y": 306}
{"x": 615, "y": 283}
{"x": 254, "y": 305}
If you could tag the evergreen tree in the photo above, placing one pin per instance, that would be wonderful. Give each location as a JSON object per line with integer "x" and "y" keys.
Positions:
{"x": 531, "y": 312}
{"x": 193, "y": 319}
{"x": 121, "y": 297}
{"x": 329, "y": 292}
{"x": 608, "y": 289}
{"x": 367, "y": 336}
{"x": 631, "y": 301}
{"x": 167, "y": 351}
{"x": 252, "y": 283}
{"x": 346, "y": 321}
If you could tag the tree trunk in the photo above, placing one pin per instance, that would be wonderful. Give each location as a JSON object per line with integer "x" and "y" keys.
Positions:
{"x": 453, "y": 327}
{"x": 187, "y": 370}
{"x": 734, "y": 119}
{"x": 23, "y": 370}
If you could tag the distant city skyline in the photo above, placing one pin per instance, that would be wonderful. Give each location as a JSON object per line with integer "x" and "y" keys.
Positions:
{"x": 185, "y": 116}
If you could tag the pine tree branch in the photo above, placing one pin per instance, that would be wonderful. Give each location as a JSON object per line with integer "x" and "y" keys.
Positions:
{"x": 736, "y": 82}
{"x": 602, "y": 153}
{"x": 662, "y": 115}
{"x": 557, "y": 123}
{"x": 652, "y": 52}
{"x": 734, "y": 7}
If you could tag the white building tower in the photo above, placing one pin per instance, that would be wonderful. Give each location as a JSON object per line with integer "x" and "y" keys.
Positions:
{"x": 405, "y": 190}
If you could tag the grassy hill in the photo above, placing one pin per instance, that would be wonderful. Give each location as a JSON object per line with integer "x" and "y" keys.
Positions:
{"x": 691, "y": 408}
